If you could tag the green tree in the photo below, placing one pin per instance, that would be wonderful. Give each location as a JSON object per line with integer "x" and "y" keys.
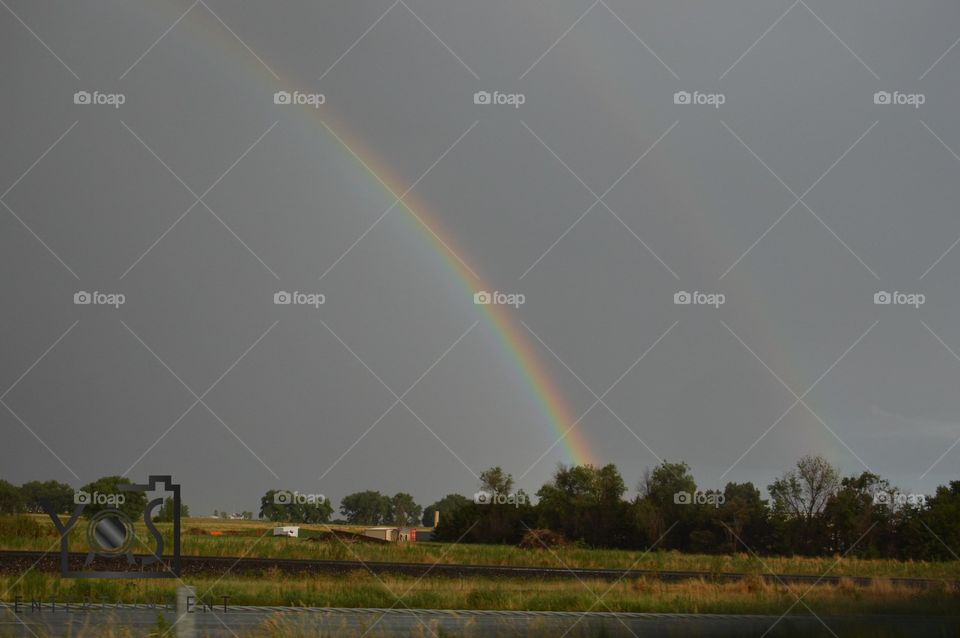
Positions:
{"x": 294, "y": 507}
{"x": 366, "y": 508}
{"x": 165, "y": 515}
{"x": 109, "y": 487}
{"x": 799, "y": 498}
{"x": 803, "y": 492}
{"x": 852, "y": 512}
{"x": 11, "y": 498}
{"x": 744, "y": 518}
{"x": 495, "y": 480}
{"x": 669, "y": 517}
{"x": 58, "y": 495}
{"x": 663, "y": 485}
{"x": 269, "y": 508}
{"x": 486, "y": 523}
{"x": 939, "y": 521}
{"x": 404, "y": 510}
{"x": 585, "y": 503}
{"x": 318, "y": 511}
{"x": 446, "y": 506}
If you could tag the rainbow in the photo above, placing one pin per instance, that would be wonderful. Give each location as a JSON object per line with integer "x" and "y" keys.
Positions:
{"x": 515, "y": 340}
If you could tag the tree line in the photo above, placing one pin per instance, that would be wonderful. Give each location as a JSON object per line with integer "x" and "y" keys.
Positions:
{"x": 62, "y": 499}
{"x": 812, "y": 509}
{"x": 368, "y": 507}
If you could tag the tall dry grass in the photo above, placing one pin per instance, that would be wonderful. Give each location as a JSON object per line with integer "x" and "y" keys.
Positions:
{"x": 37, "y": 533}
{"x": 361, "y": 589}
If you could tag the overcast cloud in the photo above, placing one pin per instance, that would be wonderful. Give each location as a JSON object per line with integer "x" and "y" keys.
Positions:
{"x": 650, "y": 149}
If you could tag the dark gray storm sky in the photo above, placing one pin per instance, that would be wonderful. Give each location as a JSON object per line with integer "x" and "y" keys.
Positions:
{"x": 798, "y": 198}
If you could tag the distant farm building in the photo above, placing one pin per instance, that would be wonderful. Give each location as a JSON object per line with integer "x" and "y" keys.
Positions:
{"x": 382, "y": 533}
{"x": 406, "y": 534}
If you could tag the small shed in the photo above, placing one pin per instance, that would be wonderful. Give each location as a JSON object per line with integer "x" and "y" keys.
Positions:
{"x": 383, "y": 533}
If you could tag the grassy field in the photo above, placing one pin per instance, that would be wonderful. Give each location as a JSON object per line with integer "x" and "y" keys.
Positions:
{"x": 361, "y": 589}
{"x": 37, "y": 533}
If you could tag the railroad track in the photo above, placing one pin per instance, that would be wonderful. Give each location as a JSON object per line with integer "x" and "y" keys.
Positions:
{"x": 20, "y": 561}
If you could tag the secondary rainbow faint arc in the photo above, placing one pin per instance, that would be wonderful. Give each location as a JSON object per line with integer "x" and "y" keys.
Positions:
{"x": 514, "y": 338}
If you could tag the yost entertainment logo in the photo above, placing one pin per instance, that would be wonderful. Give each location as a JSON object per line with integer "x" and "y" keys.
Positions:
{"x": 110, "y": 532}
